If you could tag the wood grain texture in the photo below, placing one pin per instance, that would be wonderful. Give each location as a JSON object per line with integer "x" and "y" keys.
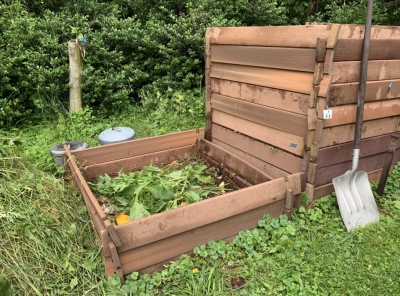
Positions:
{"x": 347, "y": 72}
{"x": 137, "y": 162}
{"x": 288, "y": 142}
{"x": 271, "y": 170}
{"x": 275, "y": 98}
{"x": 150, "y": 254}
{"x": 372, "y": 110}
{"x": 297, "y": 59}
{"x": 237, "y": 165}
{"x": 279, "y": 119}
{"x": 269, "y": 154}
{"x": 346, "y": 93}
{"x": 83, "y": 187}
{"x": 127, "y": 149}
{"x": 335, "y": 154}
{"x": 173, "y": 222}
{"x": 366, "y": 164}
{"x": 345, "y": 133}
{"x": 321, "y": 191}
{"x": 282, "y": 36}
{"x": 377, "y": 32}
{"x": 300, "y": 82}
{"x": 380, "y": 49}
{"x": 333, "y": 35}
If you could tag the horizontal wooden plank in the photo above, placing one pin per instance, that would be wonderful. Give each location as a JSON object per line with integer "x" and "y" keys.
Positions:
{"x": 297, "y": 59}
{"x": 237, "y": 165}
{"x": 288, "y": 142}
{"x": 366, "y": 164}
{"x": 324, "y": 190}
{"x": 173, "y": 222}
{"x": 372, "y": 110}
{"x": 300, "y": 82}
{"x": 150, "y": 254}
{"x": 264, "y": 152}
{"x": 377, "y": 32}
{"x": 380, "y": 49}
{"x": 347, "y": 93}
{"x": 344, "y": 152}
{"x": 268, "y": 168}
{"x": 345, "y": 133}
{"x": 286, "y": 121}
{"x": 270, "y": 97}
{"x": 284, "y": 36}
{"x": 346, "y": 72}
{"x": 132, "y": 148}
{"x": 137, "y": 162}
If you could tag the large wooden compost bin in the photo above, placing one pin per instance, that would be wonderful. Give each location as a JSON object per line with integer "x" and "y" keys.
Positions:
{"x": 146, "y": 244}
{"x": 267, "y": 88}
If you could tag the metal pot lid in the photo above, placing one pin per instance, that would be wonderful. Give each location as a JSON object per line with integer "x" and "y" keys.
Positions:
{"x": 117, "y": 134}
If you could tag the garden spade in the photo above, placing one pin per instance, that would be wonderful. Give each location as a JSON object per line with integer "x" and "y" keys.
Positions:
{"x": 356, "y": 201}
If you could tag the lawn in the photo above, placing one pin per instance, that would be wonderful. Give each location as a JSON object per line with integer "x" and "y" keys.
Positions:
{"x": 48, "y": 246}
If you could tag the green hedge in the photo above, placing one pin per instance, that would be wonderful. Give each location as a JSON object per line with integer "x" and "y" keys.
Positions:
{"x": 136, "y": 48}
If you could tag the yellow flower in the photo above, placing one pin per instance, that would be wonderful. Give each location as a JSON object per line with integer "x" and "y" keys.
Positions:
{"x": 195, "y": 270}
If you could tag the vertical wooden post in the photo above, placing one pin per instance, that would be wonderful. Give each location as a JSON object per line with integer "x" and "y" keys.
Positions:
{"x": 387, "y": 164}
{"x": 207, "y": 40}
{"x": 75, "y": 75}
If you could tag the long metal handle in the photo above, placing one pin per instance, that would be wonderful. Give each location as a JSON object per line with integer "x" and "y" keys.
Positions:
{"x": 363, "y": 76}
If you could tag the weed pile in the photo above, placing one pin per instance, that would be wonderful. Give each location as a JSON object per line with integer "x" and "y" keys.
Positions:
{"x": 47, "y": 246}
{"x": 155, "y": 189}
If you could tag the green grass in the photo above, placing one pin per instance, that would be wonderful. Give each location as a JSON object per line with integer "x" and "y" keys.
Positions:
{"x": 48, "y": 246}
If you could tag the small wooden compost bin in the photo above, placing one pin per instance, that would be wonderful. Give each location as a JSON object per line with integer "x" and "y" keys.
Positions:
{"x": 267, "y": 88}
{"x": 146, "y": 244}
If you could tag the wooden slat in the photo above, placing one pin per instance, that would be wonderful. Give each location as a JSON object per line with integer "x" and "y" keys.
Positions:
{"x": 344, "y": 152}
{"x": 268, "y": 168}
{"x": 275, "y": 78}
{"x": 173, "y": 222}
{"x": 345, "y": 133}
{"x": 380, "y": 49}
{"x": 237, "y": 165}
{"x": 342, "y": 94}
{"x": 333, "y": 35}
{"x": 83, "y": 187}
{"x": 377, "y": 32}
{"x": 275, "y": 98}
{"x": 275, "y": 156}
{"x": 151, "y": 254}
{"x": 372, "y": 110}
{"x": 137, "y": 162}
{"x": 288, "y": 142}
{"x": 366, "y": 164}
{"x": 346, "y": 72}
{"x": 283, "y": 36}
{"x": 286, "y": 121}
{"x": 296, "y": 182}
{"x": 136, "y": 147}
{"x": 298, "y": 59}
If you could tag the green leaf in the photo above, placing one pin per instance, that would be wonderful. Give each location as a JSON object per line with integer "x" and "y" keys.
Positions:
{"x": 129, "y": 190}
{"x": 160, "y": 192}
{"x": 193, "y": 196}
{"x": 175, "y": 175}
{"x": 73, "y": 283}
{"x": 89, "y": 265}
{"x": 138, "y": 211}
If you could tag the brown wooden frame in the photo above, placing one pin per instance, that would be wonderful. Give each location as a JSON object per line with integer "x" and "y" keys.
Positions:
{"x": 145, "y": 244}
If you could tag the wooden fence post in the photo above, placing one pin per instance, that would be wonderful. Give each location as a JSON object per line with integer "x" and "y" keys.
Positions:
{"x": 75, "y": 75}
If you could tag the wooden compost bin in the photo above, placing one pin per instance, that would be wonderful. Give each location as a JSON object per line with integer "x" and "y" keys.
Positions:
{"x": 267, "y": 88}
{"x": 146, "y": 244}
